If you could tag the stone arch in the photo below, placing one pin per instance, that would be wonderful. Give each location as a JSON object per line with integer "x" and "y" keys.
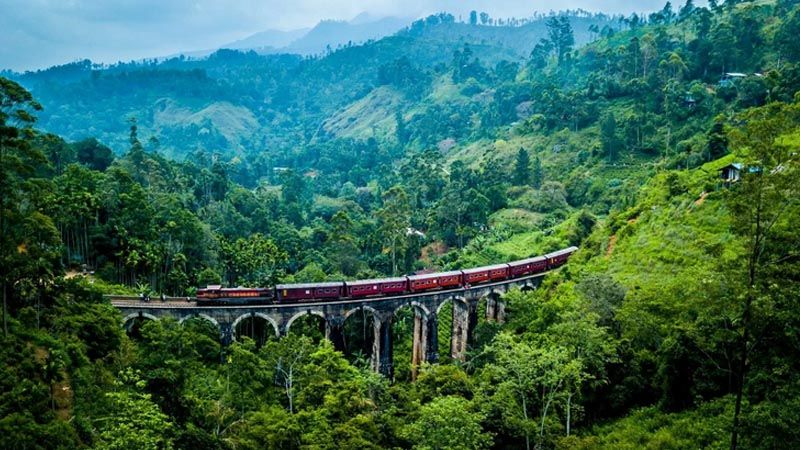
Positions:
{"x": 199, "y": 316}
{"x": 453, "y": 299}
{"x": 358, "y": 329}
{"x": 360, "y": 308}
{"x": 414, "y": 305}
{"x": 269, "y": 320}
{"x": 137, "y": 315}
{"x": 311, "y": 312}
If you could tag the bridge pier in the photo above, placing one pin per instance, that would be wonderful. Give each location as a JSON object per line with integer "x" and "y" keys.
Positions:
{"x": 382, "y": 345}
{"x": 465, "y": 318}
{"x": 226, "y": 333}
{"x": 495, "y": 308}
{"x": 432, "y": 343}
{"x": 334, "y": 332}
{"x": 425, "y": 341}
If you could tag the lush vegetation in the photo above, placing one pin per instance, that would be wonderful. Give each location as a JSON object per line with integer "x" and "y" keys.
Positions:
{"x": 675, "y": 326}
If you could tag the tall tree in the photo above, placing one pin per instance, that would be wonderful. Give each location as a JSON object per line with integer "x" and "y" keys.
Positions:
{"x": 16, "y": 157}
{"x": 609, "y": 140}
{"x": 522, "y": 168}
{"x": 394, "y": 219}
{"x": 537, "y": 176}
{"x": 447, "y": 423}
{"x": 561, "y": 36}
{"x": 764, "y": 208}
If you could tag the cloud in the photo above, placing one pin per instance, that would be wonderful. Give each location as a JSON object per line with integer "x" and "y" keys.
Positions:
{"x": 41, "y": 33}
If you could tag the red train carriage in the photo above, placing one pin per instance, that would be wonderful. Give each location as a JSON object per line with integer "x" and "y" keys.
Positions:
{"x": 485, "y": 274}
{"x": 417, "y": 283}
{"x": 384, "y": 286}
{"x": 218, "y": 295}
{"x": 210, "y": 292}
{"x": 527, "y": 266}
{"x": 439, "y": 280}
{"x": 451, "y": 279}
{"x": 309, "y": 291}
{"x": 558, "y": 258}
{"x": 296, "y": 293}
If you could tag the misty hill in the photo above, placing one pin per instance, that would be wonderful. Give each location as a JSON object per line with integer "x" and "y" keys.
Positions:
{"x": 332, "y": 34}
{"x": 269, "y": 39}
{"x": 292, "y": 99}
{"x": 325, "y": 36}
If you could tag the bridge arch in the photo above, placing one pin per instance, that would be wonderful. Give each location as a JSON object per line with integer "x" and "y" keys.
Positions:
{"x": 267, "y": 318}
{"x": 350, "y": 312}
{"x": 414, "y": 305}
{"x": 309, "y": 312}
{"x": 137, "y": 315}
{"x": 200, "y": 316}
{"x": 455, "y": 298}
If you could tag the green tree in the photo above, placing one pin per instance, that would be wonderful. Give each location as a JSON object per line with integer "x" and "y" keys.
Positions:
{"x": 132, "y": 420}
{"x": 761, "y": 207}
{"x": 343, "y": 244}
{"x": 522, "y": 168}
{"x": 537, "y": 176}
{"x": 561, "y": 37}
{"x": 717, "y": 145}
{"x": 609, "y": 141}
{"x": 19, "y": 229}
{"x": 256, "y": 260}
{"x": 447, "y": 423}
{"x": 394, "y": 220}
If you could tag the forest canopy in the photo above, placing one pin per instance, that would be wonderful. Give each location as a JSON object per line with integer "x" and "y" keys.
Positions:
{"x": 448, "y": 145}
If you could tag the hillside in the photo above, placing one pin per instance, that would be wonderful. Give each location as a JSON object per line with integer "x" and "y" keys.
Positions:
{"x": 664, "y": 146}
{"x": 290, "y": 97}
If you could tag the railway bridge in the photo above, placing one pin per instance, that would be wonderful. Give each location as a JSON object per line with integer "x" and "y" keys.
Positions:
{"x": 426, "y": 306}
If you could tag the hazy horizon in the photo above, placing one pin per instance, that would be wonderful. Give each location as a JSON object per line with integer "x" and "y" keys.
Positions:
{"x": 43, "y": 33}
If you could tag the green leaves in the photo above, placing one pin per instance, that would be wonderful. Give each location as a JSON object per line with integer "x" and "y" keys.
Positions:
{"x": 133, "y": 422}
{"x": 447, "y": 423}
{"x": 255, "y": 261}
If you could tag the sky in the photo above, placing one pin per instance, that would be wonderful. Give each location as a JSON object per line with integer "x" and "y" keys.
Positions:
{"x": 41, "y": 33}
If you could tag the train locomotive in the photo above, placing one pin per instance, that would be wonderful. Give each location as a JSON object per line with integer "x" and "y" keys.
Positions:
{"x": 348, "y": 290}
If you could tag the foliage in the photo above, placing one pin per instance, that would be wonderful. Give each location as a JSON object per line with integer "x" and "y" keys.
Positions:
{"x": 445, "y": 146}
{"x": 447, "y": 423}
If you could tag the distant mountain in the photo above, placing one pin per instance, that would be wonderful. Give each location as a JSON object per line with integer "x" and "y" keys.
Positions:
{"x": 267, "y": 39}
{"x": 331, "y": 33}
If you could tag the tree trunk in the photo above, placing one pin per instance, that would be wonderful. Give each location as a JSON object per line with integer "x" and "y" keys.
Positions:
{"x": 525, "y": 414}
{"x": 5, "y": 309}
{"x": 569, "y": 411}
{"x": 742, "y": 367}
{"x": 752, "y": 272}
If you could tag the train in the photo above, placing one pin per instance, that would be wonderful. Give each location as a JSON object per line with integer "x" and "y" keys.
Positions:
{"x": 383, "y": 287}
